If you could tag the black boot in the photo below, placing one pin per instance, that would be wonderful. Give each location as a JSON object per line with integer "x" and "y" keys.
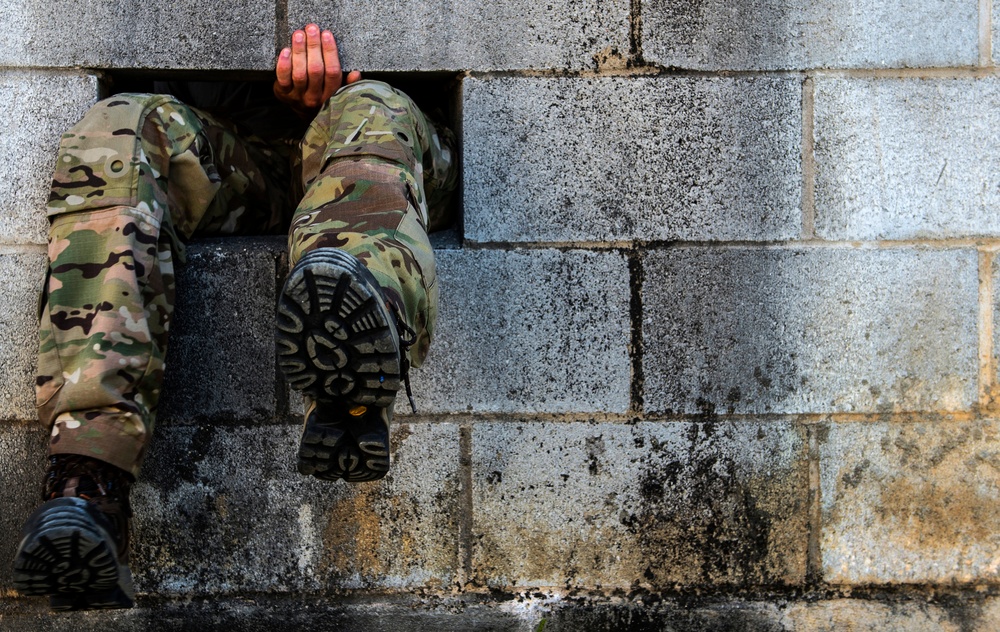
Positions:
{"x": 339, "y": 343}
{"x": 74, "y": 547}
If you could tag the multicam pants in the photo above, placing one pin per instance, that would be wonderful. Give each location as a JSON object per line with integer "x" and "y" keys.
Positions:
{"x": 141, "y": 173}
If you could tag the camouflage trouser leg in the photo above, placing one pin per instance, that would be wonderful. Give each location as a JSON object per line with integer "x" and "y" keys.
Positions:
{"x": 135, "y": 174}
{"x": 376, "y": 174}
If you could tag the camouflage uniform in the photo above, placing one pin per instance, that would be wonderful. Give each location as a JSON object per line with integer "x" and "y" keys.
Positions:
{"x": 142, "y": 173}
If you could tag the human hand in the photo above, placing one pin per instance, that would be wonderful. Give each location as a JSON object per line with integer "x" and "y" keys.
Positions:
{"x": 309, "y": 73}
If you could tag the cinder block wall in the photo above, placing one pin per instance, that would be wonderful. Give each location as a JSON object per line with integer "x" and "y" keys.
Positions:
{"x": 717, "y": 347}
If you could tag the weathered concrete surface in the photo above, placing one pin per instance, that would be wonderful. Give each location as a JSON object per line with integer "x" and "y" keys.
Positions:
{"x": 599, "y": 159}
{"x": 910, "y": 502}
{"x": 519, "y": 614}
{"x": 36, "y": 107}
{"x": 292, "y": 614}
{"x": 652, "y": 505}
{"x": 223, "y": 511}
{"x": 157, "y": 34}
{"x": 22, "y": 466}
{"x": 220, "y": 359}
{"x": 22, "y": 274}
{"x": 529, "y": 331}
{"x": 766, "y": 34}
{"x": 810, "y": 330}
{"x": 993, "y": 393}
{"x": 906, "y": 158}
{"x": 996, "y": 33}
{"x": 469, "y": 35}
{"x": 895, "y": 615}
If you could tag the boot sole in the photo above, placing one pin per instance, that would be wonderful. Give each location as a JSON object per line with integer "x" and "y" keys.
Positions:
{"x": 338, "y": 344}
{"x": 66, "y": 553}
{"x": 355, "y": 451}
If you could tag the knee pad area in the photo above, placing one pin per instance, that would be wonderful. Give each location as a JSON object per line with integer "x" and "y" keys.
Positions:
{"x": 99, "y": 157}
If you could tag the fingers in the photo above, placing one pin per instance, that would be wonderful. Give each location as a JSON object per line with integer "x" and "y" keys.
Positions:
{"x": 315, "y": 67}
{"x": 283, "y": 70}
{"x": 308, "y": 73}
{"x": 299, "y": 65}
{"x": 332, "y": 76}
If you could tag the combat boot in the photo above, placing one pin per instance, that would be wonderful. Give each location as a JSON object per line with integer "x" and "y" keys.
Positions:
{"x": 74, "y": 547}
{"x": 338, "y": 341}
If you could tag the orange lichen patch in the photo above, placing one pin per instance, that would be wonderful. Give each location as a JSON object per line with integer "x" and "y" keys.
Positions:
{"x": 991, "y": 399}
{"x": 939, "y": 514}
{"x": 353, "y": 533}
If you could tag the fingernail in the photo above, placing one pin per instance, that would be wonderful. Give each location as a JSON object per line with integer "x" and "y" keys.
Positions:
{"x": 299, "y": 36}
{"x": 285, "y": 52}
{"x": 312, "y": 29}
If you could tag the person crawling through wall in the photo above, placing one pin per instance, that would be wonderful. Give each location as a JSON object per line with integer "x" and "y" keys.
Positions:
{"x": 142, "y": 173}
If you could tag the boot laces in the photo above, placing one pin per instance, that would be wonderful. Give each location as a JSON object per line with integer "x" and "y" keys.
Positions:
{"x": 104, "y": 486}
{"x": 404, "y": 346}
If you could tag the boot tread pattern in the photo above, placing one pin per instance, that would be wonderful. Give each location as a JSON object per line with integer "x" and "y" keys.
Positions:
{"x": 66, "y": 554}
{"x": 335, "y": 338}
{"x": 338, "y": 344}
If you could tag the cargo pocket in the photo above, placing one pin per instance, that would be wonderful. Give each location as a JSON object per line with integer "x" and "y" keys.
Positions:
{"x": 98, "y": 163}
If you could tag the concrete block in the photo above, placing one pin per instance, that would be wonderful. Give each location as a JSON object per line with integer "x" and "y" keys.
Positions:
{"x": 220, "y": 358}
{"x": 910, "y": 503}
{"x": 262, "y": 613}
{"x": 766, "y": 34}
{"x": 469, "y": 35}
{"x": 36, "y": 107}
{"x": 810, "y": 330}
{"x": 994, "y": 389}
{"x": 22, "y": 466}
{"x": 652, "y": 505}
{"x": 987, "y": 615}
{"x": 221, "y": 510}
{"x": 157, "y": 35}
{"x": 616, "y": 158}
{"x": 996, "y": 32}
{"x": 906, "y": 158}
{"x": 668, "y": 615}
{"x": 910, "y": 615}
{"x": 521, "y": 613}
{"x": 528, "y": 331}
{"x": 22, "y": 273}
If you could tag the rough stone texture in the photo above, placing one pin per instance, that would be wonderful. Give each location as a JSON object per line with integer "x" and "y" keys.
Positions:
{"x": 528, "y": 331}
{"x": 35, "y": 109}
{"x": 22, "y": 465}
{"x": 766, "y": 34}
{"x": 260, "y": 614}
{"x": 469, "y": 35}
{"x": 22, "y": 274}
{"x": 668, "y": 616}
{"x": 996, "y": 32}
{"x": 906, "y": 158}
{"x": 521, "y": 613}
{"x": 994, "y": 388}
{"x": 157, "y": 34}
{"x": 810, "y": 330}
{"x": 652, "y": 505}
{"x": 910, "y": 502}
{"x": 223, "y": 511}
{"x": 915, "y": 615}
{"x": 691, "y": 158}
{"x": 220, "y": 360}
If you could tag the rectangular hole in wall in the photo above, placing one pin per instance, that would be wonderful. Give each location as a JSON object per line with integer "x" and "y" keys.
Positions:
{"x": 437, "y": 93}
